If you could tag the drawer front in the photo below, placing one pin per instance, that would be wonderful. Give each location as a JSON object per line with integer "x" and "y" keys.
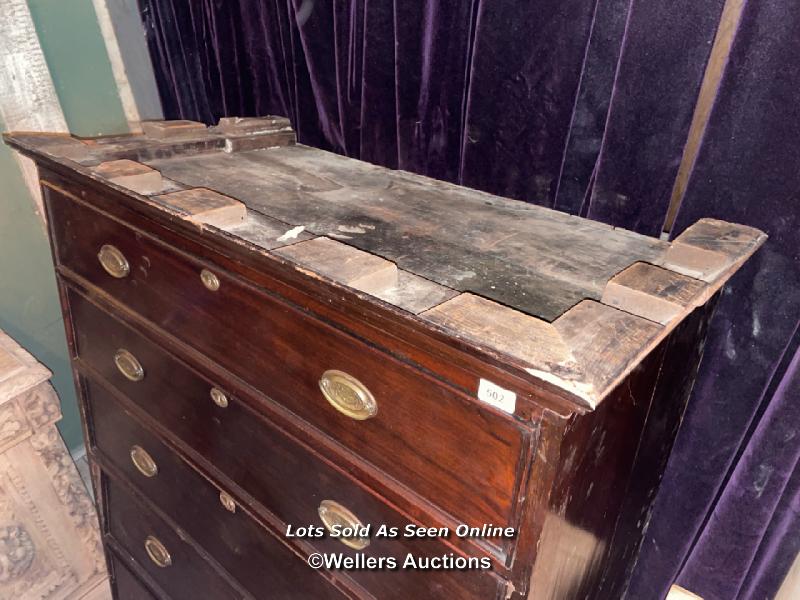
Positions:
{"x": 126, "y": 585}
{"x": 463, "y": 457}
{"x": 283, "y": 476}
{"x": 241, "y": 546}
{"x": 170, "y": 561}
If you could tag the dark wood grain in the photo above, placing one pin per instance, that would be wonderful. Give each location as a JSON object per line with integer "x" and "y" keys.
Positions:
{"x": 586, "y": 495}
{"x": 682, "y": 356}
{"x": 412, "y": 340}
{"x": 239, "y": 544}
{"x": 287, "y": 353}
{"x": 125, "y": 584}
{"x": 130, "y": 523}
{"x": 597, "y": 515}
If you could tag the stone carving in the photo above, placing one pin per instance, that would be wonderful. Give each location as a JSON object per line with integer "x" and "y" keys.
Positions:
{"x": 70, "y": 490}
{"x": 12, "y": 423}
{"x": 16, "y": 552}
{"x": 41, "y": 406}
{"x": 49, "y": 538}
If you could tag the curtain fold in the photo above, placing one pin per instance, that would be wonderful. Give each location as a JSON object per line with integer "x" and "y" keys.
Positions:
{"x": 665, "y": 50}
{"x": 726, "y": 519}
{"x": 584, "y": 106}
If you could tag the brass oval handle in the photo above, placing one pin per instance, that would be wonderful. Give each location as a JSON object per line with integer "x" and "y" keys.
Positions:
{"x": 113, "y": 261}
{"x": 227, "y": 501}
{"x": 209, "y": 280}
{"x": 157, "y": 552}
{"x": 348, "y": 395}
{"x": 218, "y": 397}
{"x": 332, "y": 513}
{"x": 128, "y": 365}
{"x": 143, "y": 462}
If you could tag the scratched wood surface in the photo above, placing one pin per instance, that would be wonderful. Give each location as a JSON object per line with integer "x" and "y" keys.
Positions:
{"x": 573, "y": 302}
{"x": 538, "y": 261}
{"x": 651, "y": 292}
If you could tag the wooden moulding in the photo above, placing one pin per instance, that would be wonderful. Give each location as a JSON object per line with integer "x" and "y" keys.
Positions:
{"x": 254, "y": 133}
{"x": 202, "y": 205}
{"x": 240, "y": 125}
{"x": 131, "y": 175}
{"x": 711, "y": 249}
{"x": 585, "y": 351}
{"x": 243, "y": 143}
{"x": 605, "y": 343}
{"x": 652, "y": 292}
{"x": 63, "y": 146}
{"x": 489, "y": 324}
{"x": 343, "y": 264}
{"x": 170, "y": 129}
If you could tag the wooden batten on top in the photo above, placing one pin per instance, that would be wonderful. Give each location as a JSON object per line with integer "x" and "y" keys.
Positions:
{"x": 344, "y": 264}
{"x": 711, "y": 249}
{"x": 201, "y": 205}
{"x": 652, "y": 292}
{"x": 242, "y": 125}
{"x": 132, "y": 175}
{"x": 170, "y": 129}
{"x": 489, "y": 324}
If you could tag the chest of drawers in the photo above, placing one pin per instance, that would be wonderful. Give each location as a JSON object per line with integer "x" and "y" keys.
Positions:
{"x": 286, "y": 356}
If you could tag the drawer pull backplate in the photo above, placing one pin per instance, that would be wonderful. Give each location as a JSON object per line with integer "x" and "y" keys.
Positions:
{"x": 219, "y": 398}
{"x": 143, "y": 462}
{"x": 157, "y": 552}
{"x": 113, "y": 261}
{"x": 348, "y": 395}
{"x": 209, "y": 280}
{"x": 334, "y": 514}
{"x": 227, "y": 502}
{"x": 128, "y": 365}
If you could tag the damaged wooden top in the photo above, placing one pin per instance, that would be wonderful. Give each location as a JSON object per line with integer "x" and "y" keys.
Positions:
{"x": 567, "y": 300}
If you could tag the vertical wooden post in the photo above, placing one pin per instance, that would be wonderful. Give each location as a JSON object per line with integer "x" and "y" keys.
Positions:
{"x": 726, "y": 32}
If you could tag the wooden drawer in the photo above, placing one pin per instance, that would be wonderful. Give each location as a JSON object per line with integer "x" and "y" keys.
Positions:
{"x": 281, "y": 474}
{"x": 241, "y": 546}
{"x": 126, "y": 585}
{"x": 181, "y": 572}
{"x": 464, "y": 457}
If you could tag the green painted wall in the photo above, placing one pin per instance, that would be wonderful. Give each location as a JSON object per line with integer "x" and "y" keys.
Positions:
{"x": 29, "y": 307}
{"x": 76, "y": 56}
{"x": 75, "y": 52}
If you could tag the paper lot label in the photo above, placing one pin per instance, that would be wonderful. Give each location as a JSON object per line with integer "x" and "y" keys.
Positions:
{"x": 493, "y": 394}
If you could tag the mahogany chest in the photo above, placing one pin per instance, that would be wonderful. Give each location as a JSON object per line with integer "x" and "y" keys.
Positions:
{"x": 304, "y": 376}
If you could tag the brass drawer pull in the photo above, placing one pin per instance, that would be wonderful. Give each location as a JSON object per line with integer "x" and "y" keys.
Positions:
{"x": 157, "y": 552}
{"x": 348, "y": 395}
{"x": 209, "y": 280}
{"x": 332, "y": 513}
{"x": 219, "y": 398}
{"x": 113, "y": 261}
{"x": 227, "y": 501}
{"x": 143, "y": 462}
{"x": 128, "y": 365}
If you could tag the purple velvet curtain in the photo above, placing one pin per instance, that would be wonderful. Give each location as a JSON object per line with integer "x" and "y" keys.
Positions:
{"x": 583, "y": 106}
{"x": 732, "y": 490}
